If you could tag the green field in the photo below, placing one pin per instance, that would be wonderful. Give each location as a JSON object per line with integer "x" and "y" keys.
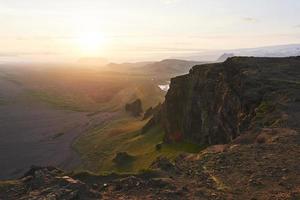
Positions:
{"x": 99, "y": 147}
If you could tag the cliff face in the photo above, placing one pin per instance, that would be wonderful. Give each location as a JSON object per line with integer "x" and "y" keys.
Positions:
{"x": 217, "y": 102}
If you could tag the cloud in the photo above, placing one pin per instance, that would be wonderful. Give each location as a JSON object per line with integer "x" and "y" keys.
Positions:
{"x": 250, "y": 19}
{"x": 297, "y": 26}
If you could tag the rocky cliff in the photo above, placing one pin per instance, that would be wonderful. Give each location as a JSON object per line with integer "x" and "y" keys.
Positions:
{"x": 215, "y": 103}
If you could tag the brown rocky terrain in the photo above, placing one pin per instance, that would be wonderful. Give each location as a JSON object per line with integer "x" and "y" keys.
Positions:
{"x": 245, "y": 113}
{"x": 255, "y": 170}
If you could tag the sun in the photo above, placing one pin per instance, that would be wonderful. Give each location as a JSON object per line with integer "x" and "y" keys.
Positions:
{"x": 91, "y": 43}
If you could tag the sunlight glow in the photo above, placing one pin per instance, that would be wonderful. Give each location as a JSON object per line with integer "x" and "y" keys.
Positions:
{"x": 91, "y": 43}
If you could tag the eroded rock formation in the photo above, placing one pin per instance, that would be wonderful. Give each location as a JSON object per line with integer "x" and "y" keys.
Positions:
{"x": 134, "y": 108}
{"x": 215, "y": 103}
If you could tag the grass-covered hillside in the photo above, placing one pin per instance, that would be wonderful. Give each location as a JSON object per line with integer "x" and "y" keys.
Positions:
{"x": 102, "y": 147}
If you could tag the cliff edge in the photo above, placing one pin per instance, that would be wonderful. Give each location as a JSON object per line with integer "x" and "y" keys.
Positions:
{"x": 216, "y": 103}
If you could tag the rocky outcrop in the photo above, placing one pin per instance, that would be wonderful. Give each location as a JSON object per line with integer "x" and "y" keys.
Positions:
{"x": 47, "y": 183}
{"x": 215, "y": 103}
{"x": 134, "y": 108}
{"x": 122, "y": 157}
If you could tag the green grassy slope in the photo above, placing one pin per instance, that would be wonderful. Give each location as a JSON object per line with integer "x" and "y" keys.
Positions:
{"x": 99, "y": 148}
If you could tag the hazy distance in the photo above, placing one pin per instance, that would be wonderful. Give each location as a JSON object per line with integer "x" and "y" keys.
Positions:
{"x": 140, "y": 30}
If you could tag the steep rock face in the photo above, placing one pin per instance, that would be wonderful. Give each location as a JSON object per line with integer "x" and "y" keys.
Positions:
{"x": 215, "y": 103}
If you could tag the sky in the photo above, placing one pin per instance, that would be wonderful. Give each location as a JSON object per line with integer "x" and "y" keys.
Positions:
{"x": 135, "y": 30}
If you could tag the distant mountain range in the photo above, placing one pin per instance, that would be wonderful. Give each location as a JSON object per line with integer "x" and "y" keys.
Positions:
{"x": 270, "y": 51}
{"x": 175, "y": 67}
{"x": 168, "y": 67}
{"x": 267, "y": 51}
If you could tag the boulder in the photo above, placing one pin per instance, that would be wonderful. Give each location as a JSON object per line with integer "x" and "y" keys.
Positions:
{"x": 134, "y": 108}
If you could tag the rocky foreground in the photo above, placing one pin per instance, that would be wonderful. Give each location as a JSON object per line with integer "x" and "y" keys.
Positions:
{"x": 262, "y": 167}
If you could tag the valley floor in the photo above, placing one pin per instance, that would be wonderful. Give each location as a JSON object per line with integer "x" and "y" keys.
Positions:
{"x": 45, "y": 111}
{"x": 37, "y": 135}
